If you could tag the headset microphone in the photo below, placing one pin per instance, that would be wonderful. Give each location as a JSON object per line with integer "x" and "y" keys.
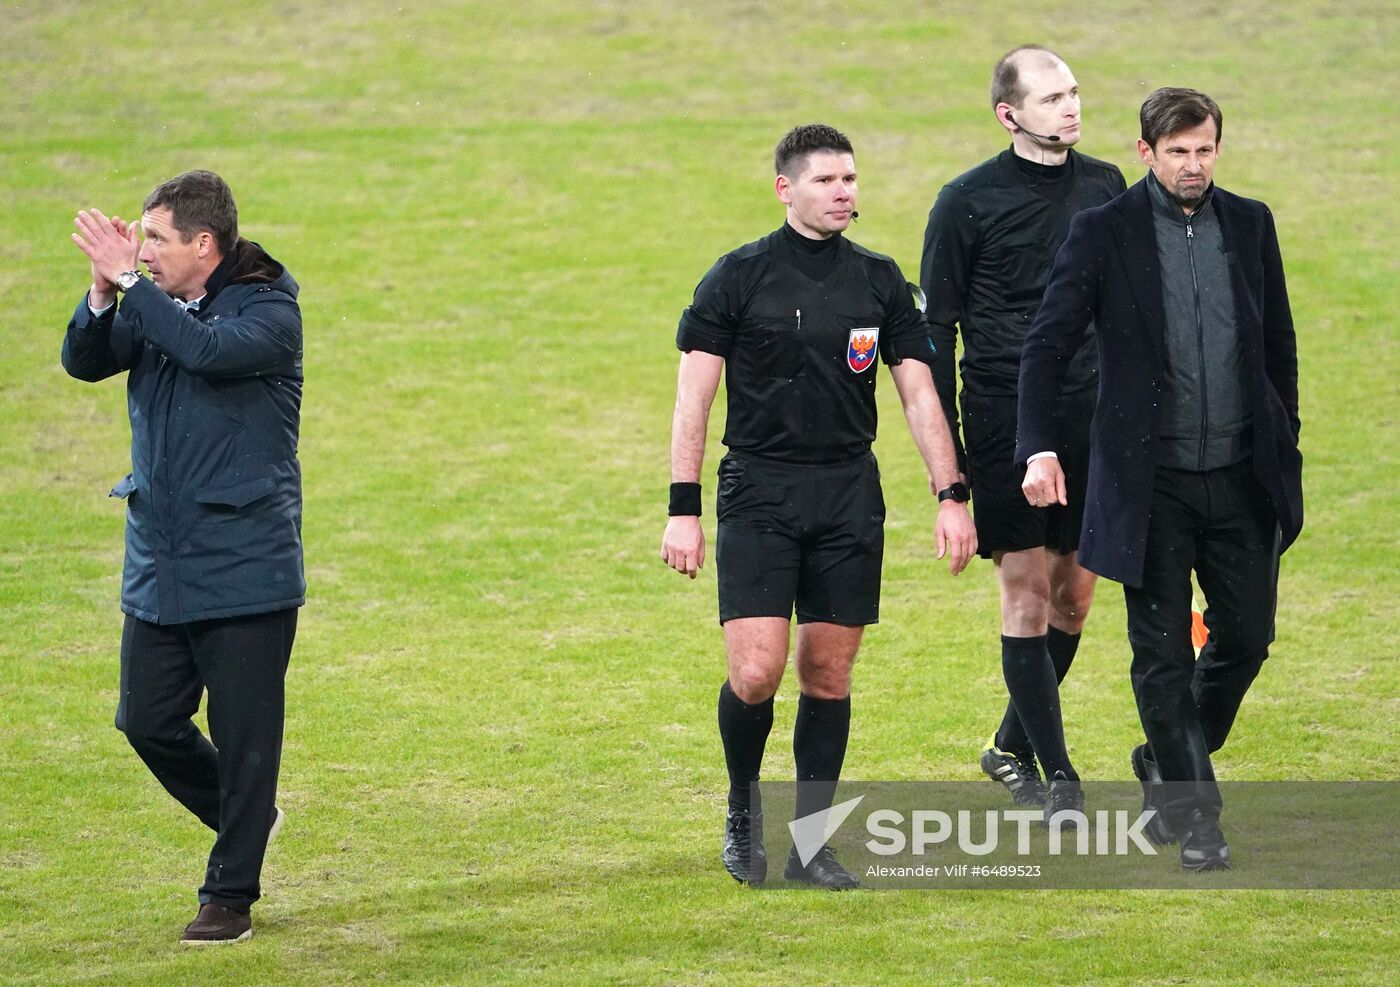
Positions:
{"x": 855, "y": 214}
{"x": 1045, "y": 137}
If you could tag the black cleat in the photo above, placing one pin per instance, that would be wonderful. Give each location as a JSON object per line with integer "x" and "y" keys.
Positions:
{"x": 745, "y": 856}
{"x": 1017, "y": 772}
{"x": 822, "y": 871}
{"x": 1158, "y": 830}
{"x": 1202, "y": 844}
{"x": 1064, "y": 796}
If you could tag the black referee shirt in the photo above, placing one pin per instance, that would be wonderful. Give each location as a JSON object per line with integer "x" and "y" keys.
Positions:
{"x": 991, "y": 239}
{"x": 801, "y": 324}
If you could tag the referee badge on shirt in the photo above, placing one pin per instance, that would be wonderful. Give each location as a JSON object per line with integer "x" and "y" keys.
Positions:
{"x": 860, "y": 350}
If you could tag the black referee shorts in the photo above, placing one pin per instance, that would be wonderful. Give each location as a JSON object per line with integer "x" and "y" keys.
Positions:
{"x": 1006, "y": 522}
{"x": 810, "y": 537}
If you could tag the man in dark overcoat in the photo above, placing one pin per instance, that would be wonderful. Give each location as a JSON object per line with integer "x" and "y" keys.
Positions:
{"x": 1194, "y": 461}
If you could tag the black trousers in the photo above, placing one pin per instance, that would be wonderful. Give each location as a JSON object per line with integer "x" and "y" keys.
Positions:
{"x": 230, "y": 784}
{"x": 1218, "y": 523}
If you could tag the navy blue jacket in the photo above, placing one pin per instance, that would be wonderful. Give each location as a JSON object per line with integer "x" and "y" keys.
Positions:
{"x": 213, "y": 521}
{"x": 1108, "y": 272}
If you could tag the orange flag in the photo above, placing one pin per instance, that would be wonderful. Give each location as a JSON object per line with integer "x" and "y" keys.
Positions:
{"x": 1198, "y": 630}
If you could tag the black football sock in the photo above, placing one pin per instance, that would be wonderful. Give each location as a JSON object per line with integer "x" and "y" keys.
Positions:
{"x": 1011, "y": 736}
{"x": 819, "y": 740}
{"x": 1030, "y": 678}
{"x": 744, "y": 729}
{"x": 1062, "y": 648}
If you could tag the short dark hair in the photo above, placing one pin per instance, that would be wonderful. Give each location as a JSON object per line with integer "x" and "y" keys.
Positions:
{"x": 1169, "y": 110}
{"x": 792, "y": 151}
{"x": 198, "y": 200}
{"x": 1006, "y": 77}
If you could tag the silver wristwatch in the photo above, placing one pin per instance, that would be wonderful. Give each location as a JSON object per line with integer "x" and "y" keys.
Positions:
{"x": 126, "y": 279}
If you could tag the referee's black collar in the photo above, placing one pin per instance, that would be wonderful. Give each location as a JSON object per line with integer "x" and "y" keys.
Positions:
{"x": 807, "y": 245}
{"x": 1027, "y": 170}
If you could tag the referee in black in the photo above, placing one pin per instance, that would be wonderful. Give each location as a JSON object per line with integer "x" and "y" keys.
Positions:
{"x": 991, "y": 238}
{"x": 798, "y": 320}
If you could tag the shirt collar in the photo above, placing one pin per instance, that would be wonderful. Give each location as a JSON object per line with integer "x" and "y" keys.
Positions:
{"x": 807, "y": 245}
{"x": 1163, "y": 202}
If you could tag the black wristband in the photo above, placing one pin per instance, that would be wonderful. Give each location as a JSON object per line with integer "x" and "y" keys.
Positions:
{"x": 685, "y": 500}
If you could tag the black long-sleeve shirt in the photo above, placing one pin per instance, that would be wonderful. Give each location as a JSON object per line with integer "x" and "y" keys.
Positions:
{"x": 988, "y": 248}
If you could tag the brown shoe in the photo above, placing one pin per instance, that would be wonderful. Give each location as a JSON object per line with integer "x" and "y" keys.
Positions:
{"x": 216, "y": 925}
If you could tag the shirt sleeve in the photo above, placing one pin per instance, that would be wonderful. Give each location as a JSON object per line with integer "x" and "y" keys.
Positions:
{"x": 263, "y": 338}
{"x": 97, "y": 344}
{"x": 945, "y": 272}
{"x": 904, "y": 335}
{"x": 710, "y": 322}
{"x": 1068, "y": 308}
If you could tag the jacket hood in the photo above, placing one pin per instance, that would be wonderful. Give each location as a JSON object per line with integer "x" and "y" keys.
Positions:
{"x": 249, "y": 263}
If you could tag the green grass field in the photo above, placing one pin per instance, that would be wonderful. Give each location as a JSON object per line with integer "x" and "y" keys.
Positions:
{"x": 501, "y": 762}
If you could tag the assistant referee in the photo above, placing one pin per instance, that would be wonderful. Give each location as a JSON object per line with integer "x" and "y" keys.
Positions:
{"x": 991, "y": 239}
{"x": 797, "y": 320}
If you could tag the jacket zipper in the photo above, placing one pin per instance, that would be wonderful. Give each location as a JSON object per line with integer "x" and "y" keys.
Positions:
{"x": 1200, "y": 342}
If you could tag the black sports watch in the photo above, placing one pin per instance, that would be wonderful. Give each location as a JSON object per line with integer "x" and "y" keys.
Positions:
{"x": 956, "y": 492}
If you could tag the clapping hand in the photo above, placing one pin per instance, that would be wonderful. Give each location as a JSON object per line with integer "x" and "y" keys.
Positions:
{"x": 111, "y": 246}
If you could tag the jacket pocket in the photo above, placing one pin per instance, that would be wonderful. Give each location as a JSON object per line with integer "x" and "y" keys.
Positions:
{"x": 236, "y": 495}
{"x": 125, "y": 487}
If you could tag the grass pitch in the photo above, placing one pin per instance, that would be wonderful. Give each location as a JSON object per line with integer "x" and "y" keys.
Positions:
{"x": 501, "y": 763}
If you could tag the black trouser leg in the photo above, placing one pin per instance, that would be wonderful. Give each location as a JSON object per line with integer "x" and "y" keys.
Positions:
{"x": 243, "y": 661}
{"x": 1159, "y": 630}
{"x": 160, "y": 690}
{"x": 1237, "y": 568}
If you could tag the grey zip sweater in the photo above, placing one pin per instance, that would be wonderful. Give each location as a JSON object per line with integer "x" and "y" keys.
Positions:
{"x": 1205, "y": 421}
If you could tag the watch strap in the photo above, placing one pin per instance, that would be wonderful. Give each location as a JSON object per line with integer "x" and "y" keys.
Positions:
{"x": 956, "y": 492}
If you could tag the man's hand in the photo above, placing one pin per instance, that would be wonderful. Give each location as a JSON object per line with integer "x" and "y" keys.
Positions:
{"x": 111, "y": 247}
{"x": 1044, "y": 483}
{"x": 955, "y": 535}
{"x": 683, "y": 545}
